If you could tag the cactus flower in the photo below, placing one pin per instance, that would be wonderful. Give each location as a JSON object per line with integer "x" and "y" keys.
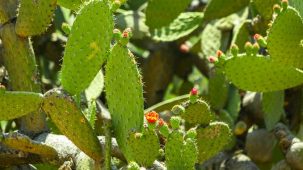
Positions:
{"x": 193, "y": 95}
{"x": 212, "y": 59}
{"x": 194, "y": 91}
{"x": 152, "y": 117}
{"x": 184, "y": 48}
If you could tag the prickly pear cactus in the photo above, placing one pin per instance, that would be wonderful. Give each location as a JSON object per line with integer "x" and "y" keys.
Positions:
{"x": 258, "y": 73}
{"x": 71, "y": 4}
{"x": 284, "y": 38}
{"x": 87, "y": 46}
{"x": 126, "y": 108}
{"x": 34, "y": 17}
{"x": 7, "y": 10}
{"x": 185, "y": 24}
{"x": 212, "y": 139}
{"x": 69, "y": 119}
{"x": 24, "y": 143}
{"x": 23, "y": 71}
{"x": 160, "y": 13}
{"x": 265, "y": 8}
{"x": 197, "y": 113}
{"x": 17, "y": 104}
{"x": 145, "y": 147}
{"x": 218, "y": 90}
{"x": 221, "y": 8}
{"x": 180, "y": 154}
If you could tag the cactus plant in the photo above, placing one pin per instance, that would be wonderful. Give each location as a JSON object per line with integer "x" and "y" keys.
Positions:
{"x": 92, "y": 51}
{"x": 31, "y": 22}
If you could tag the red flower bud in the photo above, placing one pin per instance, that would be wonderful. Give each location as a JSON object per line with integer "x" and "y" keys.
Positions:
{"x": 194, "y": 91}
{"x": 125, "y": 34}
{"x": 152, "y": 117}
{"x": 257, "y": 36}
{"x": 184, "y": 48}
{"x": 219, "y": 53}
{"x": 212, "y": 59}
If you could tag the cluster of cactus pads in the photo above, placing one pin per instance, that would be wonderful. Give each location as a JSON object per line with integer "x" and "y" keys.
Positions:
{"x": 87, "y": 49}
{"x": 191, "y": 133}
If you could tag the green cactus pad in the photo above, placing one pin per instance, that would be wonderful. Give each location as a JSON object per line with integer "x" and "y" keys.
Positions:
{"x": 95, "y": 88}
{"x": 19, "y": 63}
{"x": 242, "y": 35}
{"x": 87, "y": 46}
{"x": 225, "y": 117}
{"x": 258, "y": 73}
{"x": 145, "y": 147}
{"x": 180, "y": 154}
{"x": 160, "y": 13}
{"x": 17, "y": 104}
{"x": 212, "y": 139}
{"x": 186, "y": 23}
{"x": 173, "y": 150}
{"x": 221, "y": 8}
{"x": 211, "y": 39}
{"x": 71, "y": 4}
{"x": 34, "y": 17}
{"x": 197, "y": 113}
{"x": 7, "y": 10}
{"x": 265, "y": 8}
{"x": 298, "y": 4}
{"x": 124, "y": 94}
{"x": 218, "y": 90}
{"x": 21, "y": 142}
{"x": 190, "y": 154}
{"x": 234, "y": 102}
{"x": 69, "y": 119}
{"x": 273, "y": 108}
{"x": 284, "y": 38}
